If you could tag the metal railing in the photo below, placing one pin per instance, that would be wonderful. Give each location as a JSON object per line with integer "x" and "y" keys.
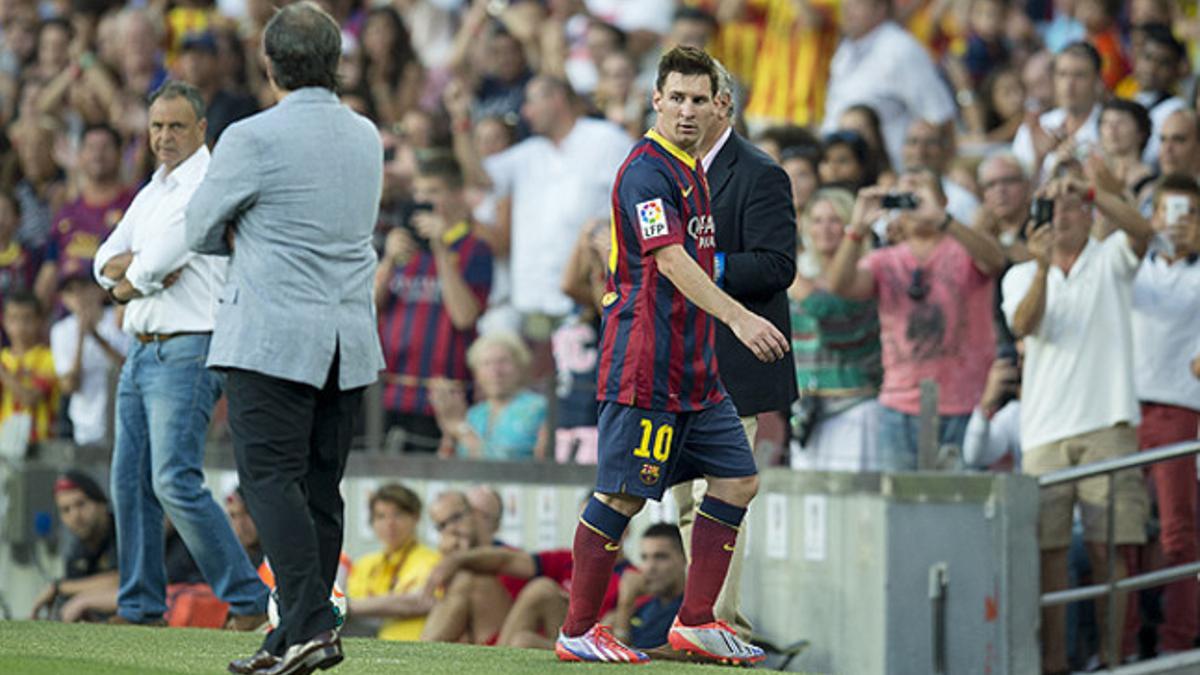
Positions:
{"x": 1110, "y": 468}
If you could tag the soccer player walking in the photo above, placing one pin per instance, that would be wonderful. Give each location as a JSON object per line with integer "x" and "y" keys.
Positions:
{"x": 664, "y": 415}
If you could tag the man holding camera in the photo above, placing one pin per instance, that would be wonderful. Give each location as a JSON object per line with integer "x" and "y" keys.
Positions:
{"x": 935, "y": 297}
{"x": 431, "y": 286}
{"x": 1072, "y": 305}
{"x": 1166, "y": 334}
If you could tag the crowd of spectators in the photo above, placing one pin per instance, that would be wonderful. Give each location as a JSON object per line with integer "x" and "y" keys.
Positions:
{"x": 1044, "y": 276}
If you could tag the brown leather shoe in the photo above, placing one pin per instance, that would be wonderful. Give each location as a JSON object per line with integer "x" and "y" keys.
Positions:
{"x": 245, "y": 622}
{"x": 322, "y": 652}
{"x": 118, "y": 620}
{"x": 260, "y": 660}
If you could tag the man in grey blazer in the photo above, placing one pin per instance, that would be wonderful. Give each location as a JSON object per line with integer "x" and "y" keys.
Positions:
{"x": 292, "y": 196}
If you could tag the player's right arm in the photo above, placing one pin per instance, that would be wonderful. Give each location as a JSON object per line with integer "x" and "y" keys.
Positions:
{"x": 759, "y": 336}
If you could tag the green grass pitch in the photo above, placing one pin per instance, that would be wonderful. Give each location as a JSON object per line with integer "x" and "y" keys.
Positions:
{"x": 44, "y": 648}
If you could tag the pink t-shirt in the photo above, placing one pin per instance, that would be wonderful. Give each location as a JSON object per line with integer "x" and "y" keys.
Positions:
{"x": 947, "y": 336}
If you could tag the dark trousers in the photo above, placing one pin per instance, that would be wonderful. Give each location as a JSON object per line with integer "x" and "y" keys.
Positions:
{"x": 291, "y": 441}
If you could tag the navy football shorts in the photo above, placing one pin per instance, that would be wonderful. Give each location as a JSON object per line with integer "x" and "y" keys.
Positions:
{"x": 643, "y": 452}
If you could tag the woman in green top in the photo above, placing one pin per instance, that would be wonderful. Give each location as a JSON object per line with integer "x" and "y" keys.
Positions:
{"x": 835, "y": 343}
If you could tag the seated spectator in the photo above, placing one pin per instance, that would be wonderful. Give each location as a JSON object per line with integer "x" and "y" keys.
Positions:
{"x": 191, "y": 602}
{"x": 389, "y": 585}
{"x": 509, "y": 422}
{"x": 88, "y": 589}
{"x": 659, "y": 589}
{"x": 87, "y": 346}
{"x": 846, "y": 161}
{"x": 487, "y": 508}
{"x": 1072, "y": 306}
{"x": 836, "y": 346}
{"x": 802, "y": 163}
{"x": 431, "y": 285}
{"x": 28, "y": 382}
{"x": 1125, "y": 129}
{"x": 484, "y": 598}
{"x": 934, "y": 291}
{"x": 993, "y": 437}
{"x": 537, "y": 609}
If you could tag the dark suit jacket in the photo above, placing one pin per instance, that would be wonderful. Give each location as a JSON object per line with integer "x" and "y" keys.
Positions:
{"x": 756, "y": 230}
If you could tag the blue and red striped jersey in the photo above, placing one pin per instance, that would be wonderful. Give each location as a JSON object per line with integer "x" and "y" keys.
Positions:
{"x": 419, "y": 339}
{"x": 656, "y": 346}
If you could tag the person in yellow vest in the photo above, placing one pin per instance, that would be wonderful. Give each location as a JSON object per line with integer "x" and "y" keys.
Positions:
{"x": 28, "y": 383}
{"x": 390, "y": 584}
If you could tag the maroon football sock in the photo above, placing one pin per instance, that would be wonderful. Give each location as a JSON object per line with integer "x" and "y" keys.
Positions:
{"x": 713, "y": 537}
{"x": 597, "y": 545}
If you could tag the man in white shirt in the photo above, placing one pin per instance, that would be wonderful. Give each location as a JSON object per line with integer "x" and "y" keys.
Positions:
{"x": 1072, "y": 306}
{"x": 165, "y": 394}
{"x": 880, "y": 64}
{"x": 1166, "y": 338}
{"x": 1074, "y": 126}
{"x": 548, "y": 186}
{"x": 87, "y": 345}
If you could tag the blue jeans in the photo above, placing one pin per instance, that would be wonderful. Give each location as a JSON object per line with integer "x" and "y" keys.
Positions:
{"x": 898, "y": 437}
{"x": 165, "y": 398}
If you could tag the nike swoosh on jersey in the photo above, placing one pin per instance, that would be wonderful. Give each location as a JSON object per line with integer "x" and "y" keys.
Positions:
{"x": 727, "y": 547}
{"x": 688, "y": 191}
{"x": 612, "y": 546}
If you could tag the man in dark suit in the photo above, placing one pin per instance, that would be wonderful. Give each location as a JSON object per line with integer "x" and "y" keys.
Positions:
{"x": 756, "y": 263}
{"x": 297, "y": 189}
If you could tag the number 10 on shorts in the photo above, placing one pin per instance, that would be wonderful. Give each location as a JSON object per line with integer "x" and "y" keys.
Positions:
{"x": 662, "y": 441}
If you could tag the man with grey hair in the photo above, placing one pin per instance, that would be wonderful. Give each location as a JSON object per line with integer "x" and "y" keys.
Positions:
{"x": 756, "y": 263}
{"x": 1006, "y": 192}
{"x": 165, "y": 396}
{"x": 295, "y": 191}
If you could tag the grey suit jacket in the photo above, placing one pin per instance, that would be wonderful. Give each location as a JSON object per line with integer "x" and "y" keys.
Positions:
{"x": 301, "y": 183}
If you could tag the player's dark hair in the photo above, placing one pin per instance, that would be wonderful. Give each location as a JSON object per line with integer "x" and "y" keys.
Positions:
{"x": 24, "y": 298}
{"x": 1139, "y": 114}
{"x": 665, "y": 531}
{"x": 303, "y": 44}
{"x": 441, "y": 165}
{"x": 687, "y": 61}
{"x": 1083, "y": 50}
{"x": 1176, "y": 182}
{"x": 399, "y": 496}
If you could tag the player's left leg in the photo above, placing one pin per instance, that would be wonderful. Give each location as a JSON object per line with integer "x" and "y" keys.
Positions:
{"x": 717, "y": 443}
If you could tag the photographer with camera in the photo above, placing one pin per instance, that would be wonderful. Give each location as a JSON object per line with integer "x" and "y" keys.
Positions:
{"x": 1072, "y": 305}
{"x": 1166, "y": 323}
{"x": 431, "y": 286}
{"x": 993, "y": 440}
{"x": 935, "y": 308}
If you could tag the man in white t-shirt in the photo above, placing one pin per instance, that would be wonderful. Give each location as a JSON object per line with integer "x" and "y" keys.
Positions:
{"x": 548, "y": 186}
{"x": 1074, "y": 126}
{"x": 882, "y": 65}
{"x": 1166, "y": 336}
{"x": 87, "y": 345}
{"x": 1072, "y": 306}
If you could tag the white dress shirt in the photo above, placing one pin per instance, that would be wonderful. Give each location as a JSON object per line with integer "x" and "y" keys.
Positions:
{"x": 711, "y": 156}
{"x": 1166, "y": 331}
{"x": 890, "y": 71}
{"x": 1078, "y": 372}
{"x": 88, "y": 408}
{"x": 153, "y": 229}
{"x": 1087, "y": 138}
{"x": 555, "y": 189}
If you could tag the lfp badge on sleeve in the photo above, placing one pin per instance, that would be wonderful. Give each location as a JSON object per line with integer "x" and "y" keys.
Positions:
{"x": 652, "y": 219}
